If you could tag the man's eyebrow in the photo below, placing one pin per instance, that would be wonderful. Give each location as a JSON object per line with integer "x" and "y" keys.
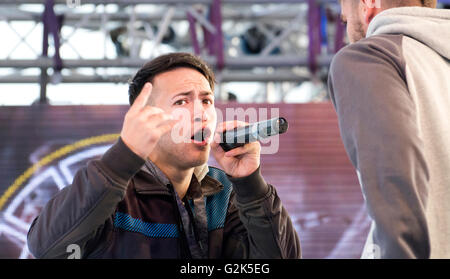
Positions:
{"x": 182, "y": 94}
{"x": 203, "y": 93}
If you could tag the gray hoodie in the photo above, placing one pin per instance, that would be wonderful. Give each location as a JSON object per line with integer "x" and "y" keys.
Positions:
{"x": 391, "y": 92}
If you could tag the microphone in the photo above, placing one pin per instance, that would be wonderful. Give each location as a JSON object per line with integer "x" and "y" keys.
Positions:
{"x": 259, "y": 130}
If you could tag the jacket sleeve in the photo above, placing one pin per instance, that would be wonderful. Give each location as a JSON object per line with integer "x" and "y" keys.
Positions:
{"x": 380, "y": 132}
{"x": 261, "y": 221}
{"x": 77, "y": 212}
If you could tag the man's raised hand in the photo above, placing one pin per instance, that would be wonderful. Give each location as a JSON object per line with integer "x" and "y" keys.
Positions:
{"x": 144, "y": 125}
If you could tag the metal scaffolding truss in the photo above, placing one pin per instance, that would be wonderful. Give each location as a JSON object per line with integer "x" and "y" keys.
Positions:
{"x": 169, "y": 2}
{"x": 245, "y": 40}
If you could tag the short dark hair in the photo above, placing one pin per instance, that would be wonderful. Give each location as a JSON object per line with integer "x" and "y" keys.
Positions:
{"x": 424, "y": 3}
{"x": 429, "y": 3}
{"x": 166, "y": 63}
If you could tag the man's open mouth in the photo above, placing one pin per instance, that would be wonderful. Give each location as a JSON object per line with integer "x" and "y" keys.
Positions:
{"x": 201, "y": 136}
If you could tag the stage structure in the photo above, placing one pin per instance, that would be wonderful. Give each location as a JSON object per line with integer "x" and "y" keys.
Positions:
{"x": 247, "y": 40}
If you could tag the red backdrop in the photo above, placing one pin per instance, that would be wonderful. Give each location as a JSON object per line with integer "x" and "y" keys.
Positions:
{"x": 42, "y": 147}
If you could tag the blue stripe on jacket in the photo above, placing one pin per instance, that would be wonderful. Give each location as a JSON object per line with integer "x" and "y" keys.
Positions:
{"x": 128, "y": 223}
{"x": 216, "y": 212}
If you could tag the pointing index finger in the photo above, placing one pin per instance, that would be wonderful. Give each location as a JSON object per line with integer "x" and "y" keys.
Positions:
{"x": 143, "y": 97}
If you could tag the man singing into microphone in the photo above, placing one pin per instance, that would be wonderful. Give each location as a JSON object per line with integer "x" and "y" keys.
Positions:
{"x": 151, "y": 196}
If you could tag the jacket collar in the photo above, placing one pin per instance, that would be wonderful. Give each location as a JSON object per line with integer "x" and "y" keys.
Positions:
{"x": 201, "y": 183}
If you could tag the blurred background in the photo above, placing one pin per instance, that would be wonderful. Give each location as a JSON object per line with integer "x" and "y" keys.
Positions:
{"x": 64, "y": 69}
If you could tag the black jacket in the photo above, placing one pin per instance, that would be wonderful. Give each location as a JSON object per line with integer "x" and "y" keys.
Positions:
{"x": 123, "y": 207}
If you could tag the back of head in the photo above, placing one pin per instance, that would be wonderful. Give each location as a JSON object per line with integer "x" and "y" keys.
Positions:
{"x": 402, "y": 3}
{"x": 429, "y": 3}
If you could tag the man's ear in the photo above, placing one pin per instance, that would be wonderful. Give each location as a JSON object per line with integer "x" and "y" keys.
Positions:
{"x": 370, "y": 9}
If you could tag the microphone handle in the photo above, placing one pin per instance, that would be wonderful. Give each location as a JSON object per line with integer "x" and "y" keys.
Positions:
{"x": 240, "y": 136}
{"x": 236, "y": 138}
{"x": 228, "y": 146}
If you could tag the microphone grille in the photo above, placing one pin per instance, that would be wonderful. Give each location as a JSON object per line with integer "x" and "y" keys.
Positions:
{"x": 282, "y": 125}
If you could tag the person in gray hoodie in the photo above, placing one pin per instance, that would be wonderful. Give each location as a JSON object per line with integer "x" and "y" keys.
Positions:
{"x": 391, "y": 91}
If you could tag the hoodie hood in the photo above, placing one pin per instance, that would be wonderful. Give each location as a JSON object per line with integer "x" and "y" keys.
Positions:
{"x": 429, "y": 26}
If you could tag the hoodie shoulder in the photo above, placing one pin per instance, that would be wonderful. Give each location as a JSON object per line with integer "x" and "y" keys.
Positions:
{"x": 362, "y": 63}
{"x": 376, "y": 49}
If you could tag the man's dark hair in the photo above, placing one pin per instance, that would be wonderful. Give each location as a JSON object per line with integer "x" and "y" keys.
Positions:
{"x": 167, "y": 63}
